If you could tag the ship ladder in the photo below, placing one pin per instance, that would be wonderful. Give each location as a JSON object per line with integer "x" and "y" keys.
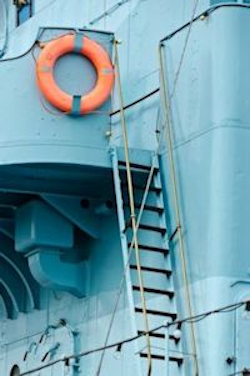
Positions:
{"x": 148, "y": 270}
{"x": 155, "y": 265}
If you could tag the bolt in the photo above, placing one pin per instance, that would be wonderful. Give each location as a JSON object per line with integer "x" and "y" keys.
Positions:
{"x": 108, "y": 134}
{"x": 230, "y": 360}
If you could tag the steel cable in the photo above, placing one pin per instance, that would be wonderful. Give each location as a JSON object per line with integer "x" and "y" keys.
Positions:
{"x": 167, "y": 105}
{"x": 66, "y": 359}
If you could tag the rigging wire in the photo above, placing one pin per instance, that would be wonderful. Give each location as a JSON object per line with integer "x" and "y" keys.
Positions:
{"x": 126, "y": 267}
{"x": 177, "y": 74}
{"x": 109, "y": 11}
{"x": 204, "y": 13}
{"x": 66, "y": 359}
{"x": 244, "y": 372}
{"x": 132, "y": 208}
{"x": 196, "y": 3}
{"x": 139, "y": 100}
{"x": 167, "y": 105}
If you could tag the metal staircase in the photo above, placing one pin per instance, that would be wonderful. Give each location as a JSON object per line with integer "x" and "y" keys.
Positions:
{"x": 155, "y": 265}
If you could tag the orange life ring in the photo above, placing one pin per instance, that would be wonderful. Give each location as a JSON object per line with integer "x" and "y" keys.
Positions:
{"x": 78, "y": 43}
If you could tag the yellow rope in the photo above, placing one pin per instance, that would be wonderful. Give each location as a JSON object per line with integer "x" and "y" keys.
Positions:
{"x": 168, "y": 133}
{"x": 132, "y": 209}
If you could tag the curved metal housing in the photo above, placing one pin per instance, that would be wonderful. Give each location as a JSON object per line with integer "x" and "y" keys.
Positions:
{"x": 47, "y": 239}
{"x": 20, "y": 292}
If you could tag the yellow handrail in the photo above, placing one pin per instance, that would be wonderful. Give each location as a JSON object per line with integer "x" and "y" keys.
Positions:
{"x": 132, "y": 208}
{"x": 168, "y": 134}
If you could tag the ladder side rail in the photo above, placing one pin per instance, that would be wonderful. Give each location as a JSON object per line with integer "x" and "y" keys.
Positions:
{"x": 166, "y": 103}
{"x": 132, "y": 211}
{"x": 167, "y": 352}
{"x": 124, "y": 245}
{"x": 162, "y": 219}
{"x": 122, "y": 225}
{"x": 157, "y": 180}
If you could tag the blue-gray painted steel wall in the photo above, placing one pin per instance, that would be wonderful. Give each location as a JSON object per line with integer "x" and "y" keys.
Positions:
{"x": 210, "y": 119}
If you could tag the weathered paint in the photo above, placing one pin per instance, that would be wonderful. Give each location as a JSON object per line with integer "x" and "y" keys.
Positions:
{"x": 66, "y": 156}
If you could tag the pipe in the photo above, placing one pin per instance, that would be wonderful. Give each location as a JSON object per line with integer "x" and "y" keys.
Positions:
{"x": 50, "y": 271}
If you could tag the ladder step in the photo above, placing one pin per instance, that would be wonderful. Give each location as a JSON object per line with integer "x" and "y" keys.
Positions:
{"x": 161, "y": 230}
{"x": 137, "y": 166}
{"x": 153, "y": 334}
{"x": 157, "y": 313}
{"x": 140, "y": 188}
{"x": 155, "y": 209}
{"x": 153, "y": 270}
{"x": 170, "y": 294}
{"x": 162, "y": 357}
{"x": 159, "y": 335}
{"x": 149, "y": 248}
{"x": 142, "y": 226}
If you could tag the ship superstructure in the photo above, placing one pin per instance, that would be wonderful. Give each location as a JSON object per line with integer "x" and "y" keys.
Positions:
{"x": 124, "y": 187}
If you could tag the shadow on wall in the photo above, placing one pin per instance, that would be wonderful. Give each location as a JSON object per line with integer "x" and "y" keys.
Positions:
{"x": 15, "y": 371}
